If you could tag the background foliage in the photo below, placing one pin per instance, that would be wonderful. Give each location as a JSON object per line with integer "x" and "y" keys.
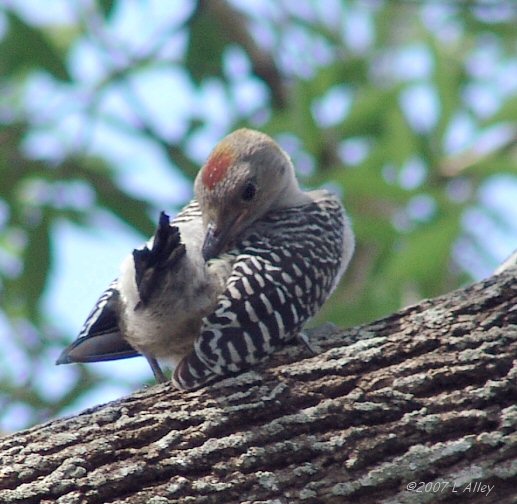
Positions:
{"x": 408, "y": 109}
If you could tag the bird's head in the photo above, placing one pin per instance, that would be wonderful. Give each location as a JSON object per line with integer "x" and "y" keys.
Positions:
{"x": 246, "y": 175}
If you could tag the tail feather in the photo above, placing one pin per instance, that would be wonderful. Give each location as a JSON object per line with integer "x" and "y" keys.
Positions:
{"x": 97, "y": 348}
{"x": 100, "y": 338}
{"x": 192, "y": 373}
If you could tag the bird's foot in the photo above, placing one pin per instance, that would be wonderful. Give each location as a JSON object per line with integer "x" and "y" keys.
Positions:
{"x": 304, "y": 339}
{"x": 157, "y": 371}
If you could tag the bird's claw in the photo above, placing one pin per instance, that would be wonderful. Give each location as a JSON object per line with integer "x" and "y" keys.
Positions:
{"x": 304, "y": 339}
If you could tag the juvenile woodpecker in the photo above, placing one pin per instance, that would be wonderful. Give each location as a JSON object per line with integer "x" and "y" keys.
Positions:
{"x": 232, "y": 278}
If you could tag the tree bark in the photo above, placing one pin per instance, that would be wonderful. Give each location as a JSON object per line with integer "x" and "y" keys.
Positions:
{"x": 417, "y": 407}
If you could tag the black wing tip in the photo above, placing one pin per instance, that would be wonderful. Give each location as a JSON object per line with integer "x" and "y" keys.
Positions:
{"x": 97, "y": 348}
{"x": 67, "y": 355}
{"x": 164, "y": 220}
{"x": 166, "y": 242}
{"x": 141, "y": 258}
{"x": 164, "y": 254}
{"x": 64, "y": 358}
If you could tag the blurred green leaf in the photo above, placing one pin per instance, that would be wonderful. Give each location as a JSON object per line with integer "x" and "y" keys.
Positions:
{"x": 25, "y": 47}
{"x": 507, "y": 113}
{"x": 502, "y": 162}
{"x": 106, "y": 7}
{"x": 449, "y": 77}
{"x": 207, "y": 42}
{"x": 366, "y": 115}
{"x": 128, "y": 208}
{"x": 37, "y": 261}
{"x": 422, "y": 257}
{"x": 398, "y": 139}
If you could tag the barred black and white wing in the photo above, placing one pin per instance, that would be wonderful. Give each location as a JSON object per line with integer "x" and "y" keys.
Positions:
{"x": 284, "y": 271}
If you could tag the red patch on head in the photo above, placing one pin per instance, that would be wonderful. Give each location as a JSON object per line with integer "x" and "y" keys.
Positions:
{"x": 217, "y": 165}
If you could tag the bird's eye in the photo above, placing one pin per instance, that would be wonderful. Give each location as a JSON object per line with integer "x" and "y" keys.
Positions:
{"x": 249, "y": 191}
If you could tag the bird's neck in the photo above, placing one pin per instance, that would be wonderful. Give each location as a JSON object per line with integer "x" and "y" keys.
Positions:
{"x": 291, "y": 196}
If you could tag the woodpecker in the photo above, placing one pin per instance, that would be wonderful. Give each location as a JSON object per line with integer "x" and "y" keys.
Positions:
{"x": 233, "y": 277}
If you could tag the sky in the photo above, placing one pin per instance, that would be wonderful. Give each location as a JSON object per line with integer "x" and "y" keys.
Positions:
{"x": 87, "y": 260}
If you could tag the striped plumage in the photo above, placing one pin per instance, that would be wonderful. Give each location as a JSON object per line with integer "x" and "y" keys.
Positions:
{"x": 234, "y": 276}
{"x": 284, "y": 268}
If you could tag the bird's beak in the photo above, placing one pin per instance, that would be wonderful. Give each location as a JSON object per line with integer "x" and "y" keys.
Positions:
{"x": 213, "y": 242}
{"x": 217, "y": 236}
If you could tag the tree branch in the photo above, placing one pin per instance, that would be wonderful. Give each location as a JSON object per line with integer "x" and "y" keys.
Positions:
{"x": 426, "y": 395}
{"x": 262, "y": 63}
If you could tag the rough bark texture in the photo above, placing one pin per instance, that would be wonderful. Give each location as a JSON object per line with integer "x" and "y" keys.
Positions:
{"x": 427, "y": 395}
